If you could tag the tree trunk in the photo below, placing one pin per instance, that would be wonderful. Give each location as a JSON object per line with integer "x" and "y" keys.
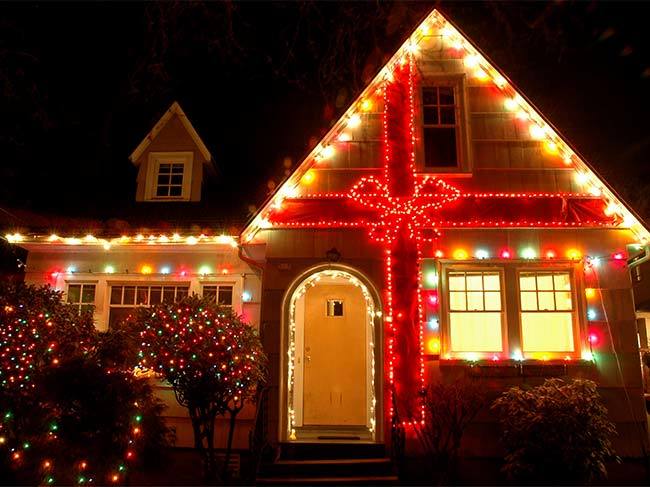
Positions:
{"x": 231, "y": 433}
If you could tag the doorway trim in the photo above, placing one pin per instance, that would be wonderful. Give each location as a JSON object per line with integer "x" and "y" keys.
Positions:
{"x": 374, "y": 343}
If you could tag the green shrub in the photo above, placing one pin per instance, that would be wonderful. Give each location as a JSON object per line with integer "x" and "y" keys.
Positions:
{"x": 556, "y": 432}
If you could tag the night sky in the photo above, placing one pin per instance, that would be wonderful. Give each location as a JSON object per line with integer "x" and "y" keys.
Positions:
{"x": 82, "y": 83}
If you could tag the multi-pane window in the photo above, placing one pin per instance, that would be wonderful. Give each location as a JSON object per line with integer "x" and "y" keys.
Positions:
{"x": 170, "y": 180}
{"x": 546, "y": 301}
{"x": 440, "y": 122}
{"x": 475, "y": 311}
{"x": 81, "y": 296}
{"x": 221, "y": 294}
{"x": 125, "y": 298}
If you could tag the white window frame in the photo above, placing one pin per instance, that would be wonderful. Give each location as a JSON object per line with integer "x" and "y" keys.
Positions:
{"x": 82, "y": 284}
{"x": 219, "y": 285}
{"x": 154, "y": 163}
{"x": 446, "y": 330}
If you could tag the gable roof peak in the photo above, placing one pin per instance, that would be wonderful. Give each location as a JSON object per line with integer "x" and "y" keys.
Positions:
{"x": 174, "y": 110}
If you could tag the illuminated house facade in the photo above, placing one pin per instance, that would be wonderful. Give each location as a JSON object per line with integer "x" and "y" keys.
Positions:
{"x": 441, "y": 229}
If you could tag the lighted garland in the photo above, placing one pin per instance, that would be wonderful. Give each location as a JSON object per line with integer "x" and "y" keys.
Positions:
{"x": 38, "y": 333}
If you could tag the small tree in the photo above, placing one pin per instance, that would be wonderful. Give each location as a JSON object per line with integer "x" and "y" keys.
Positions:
{"x": 449, "y": 409}
{"x": 213, "y": 360}
{"x": 556, "y": 432}
{"x": 67, "y": 416}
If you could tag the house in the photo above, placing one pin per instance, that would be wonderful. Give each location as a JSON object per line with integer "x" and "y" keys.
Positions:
{"x": 162, "y": 248}
{"x": 442, "y": 229}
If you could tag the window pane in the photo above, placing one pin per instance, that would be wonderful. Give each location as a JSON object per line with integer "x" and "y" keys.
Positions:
{"x": 210, "y": 292}
{"x": 545, "y": 282}
{"x": 457, "y": 301}
{"x": 177, "y": 168}
{"x": 429, "y": 96}
{"x": 116, "y": 294}
{"x": 156, "y": 295}
{"x": 129, "y": 295}
{"x": 142, "y": 296}
{"x": 547, "y": 332}
{"x": 74, "y": 293}
{"x": 545, "y": 301}
{"x": 175, "y": 190}
{"x": 562, "y": 282}
{"x": 493, "y": 301}
{"x": 474, "y": 301}
{"x": 527, "y": 282}
{"x": 177, "y": 179}
{"x": 563, "y": 301}
{"x": 440, "y": 147}
{"x": 88, "y": 293}
{"x": 225, "y": 296}
{"x": 163, "y": 179}
{"x": 528, "y": 300}
{"x": 164, "y": 169}
{"x": 491, "y": 282}
{"x": 474, "y": 282}
{"x": 431, "y": 116}
{"x": 446, "y": 94}
{"x": 475, "y": 332}
{"x": 448, "y": 115}
{"x": 168, "y": 294}
{"x": 162, "y": 191}
{"x": 456, "y": 282}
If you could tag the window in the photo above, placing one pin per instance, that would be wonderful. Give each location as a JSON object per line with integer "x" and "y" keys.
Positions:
{"x": 221, "y": 294}
{"x": 334, "y": 307}
{"x": 82, "y": 296}
{"x": 170, "y": 180}
{"x": 475, "y": 311}
{"x": 546, "y": 305}
{"x": 125, "y": 298}
{"x": 169, "y": 176}
{"x": 440, "y": 122}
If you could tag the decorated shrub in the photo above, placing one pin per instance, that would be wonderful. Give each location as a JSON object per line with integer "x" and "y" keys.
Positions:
{"x": 556, "y": 432}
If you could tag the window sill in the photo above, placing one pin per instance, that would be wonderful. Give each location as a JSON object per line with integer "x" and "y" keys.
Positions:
{"x": 514, "y": 368}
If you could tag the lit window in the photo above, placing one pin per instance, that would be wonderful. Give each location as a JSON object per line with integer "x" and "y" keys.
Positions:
{"x": 440, "y": 122}
{"x": 475, "y": 311}
{"x": 82, "y": 296}
{"x": 220, "y": 294}
{"x": 334, "y": 307}
{"x": 169, "y": 183}
{"x": 546, "y": 300}
{"x": 125, "y": 298}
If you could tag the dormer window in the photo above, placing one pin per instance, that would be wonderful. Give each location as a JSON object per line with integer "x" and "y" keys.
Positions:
{"x": 169, "y": 176}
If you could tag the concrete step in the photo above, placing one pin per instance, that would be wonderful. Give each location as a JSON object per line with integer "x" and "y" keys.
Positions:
{"x": 325, "y": 450}
{"x": 357, "y": 480}
{"x": 342, "y": 467}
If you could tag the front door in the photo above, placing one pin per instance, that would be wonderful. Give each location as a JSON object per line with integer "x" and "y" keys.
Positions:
{"x": 335, "y": 356}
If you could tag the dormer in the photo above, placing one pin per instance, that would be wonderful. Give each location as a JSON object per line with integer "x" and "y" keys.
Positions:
{"x": 172, "y": 160}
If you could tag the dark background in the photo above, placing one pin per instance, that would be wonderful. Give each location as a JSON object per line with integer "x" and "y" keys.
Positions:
{"x": 82, "y": 83}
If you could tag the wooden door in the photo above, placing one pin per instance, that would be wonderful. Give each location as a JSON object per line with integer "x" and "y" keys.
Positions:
{"x": 335, "y": 356}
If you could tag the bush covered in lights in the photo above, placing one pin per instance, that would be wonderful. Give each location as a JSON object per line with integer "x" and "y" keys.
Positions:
{"x": 69, "y": 415}
{"x": 212, "y": 359}
{"x": 556, "y": 432}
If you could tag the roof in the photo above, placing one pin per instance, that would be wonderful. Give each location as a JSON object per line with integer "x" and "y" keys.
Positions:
{"x": 174, "y": 109}
{"x": 478, "y": 65}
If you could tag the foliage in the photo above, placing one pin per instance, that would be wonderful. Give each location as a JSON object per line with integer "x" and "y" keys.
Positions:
{"x": 449, "y": 409}
{"x": 556, "y": 432}
{"x": 67, "y": 415}
{"x": 213, "y": 360}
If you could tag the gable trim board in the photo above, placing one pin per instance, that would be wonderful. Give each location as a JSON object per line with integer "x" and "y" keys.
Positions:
{"x": 174, "y": 109}
{"x": 479, "y": 67}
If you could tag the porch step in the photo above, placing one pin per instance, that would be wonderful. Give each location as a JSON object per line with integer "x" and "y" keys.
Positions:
{"x": 325, "y": 450}
{"x": 343, "y": 467}
{"x": 329, "y": 463}
{"x": 369, "y": 480}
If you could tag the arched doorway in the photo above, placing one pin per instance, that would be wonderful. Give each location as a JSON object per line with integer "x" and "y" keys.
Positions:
{"x": 332, "y": 367}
